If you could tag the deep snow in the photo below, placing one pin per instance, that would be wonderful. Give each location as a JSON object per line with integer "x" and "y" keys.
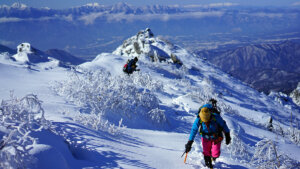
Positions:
{"x": 85, "y": 105}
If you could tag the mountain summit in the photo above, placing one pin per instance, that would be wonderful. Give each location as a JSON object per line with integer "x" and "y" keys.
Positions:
{"x": 19, "y": 5}
{"x": 145, "y": 44}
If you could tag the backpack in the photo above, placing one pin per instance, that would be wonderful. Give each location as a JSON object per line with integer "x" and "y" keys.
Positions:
{"x": 212, "y": 109}
{"x": 214, "y": 112}
{"x": 218, "y": 134}
{"x": 125, "y": 67}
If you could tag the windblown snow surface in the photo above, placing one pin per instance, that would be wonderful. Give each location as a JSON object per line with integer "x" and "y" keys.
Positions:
{"x": 95, "y": 116}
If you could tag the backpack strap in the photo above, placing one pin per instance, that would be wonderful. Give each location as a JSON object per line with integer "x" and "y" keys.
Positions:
{"x": 200, "y": 129}
{"x": 219, "y": 127}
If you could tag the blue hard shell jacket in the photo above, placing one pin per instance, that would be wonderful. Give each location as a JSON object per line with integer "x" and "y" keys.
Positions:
{"x": 212, "y": 131}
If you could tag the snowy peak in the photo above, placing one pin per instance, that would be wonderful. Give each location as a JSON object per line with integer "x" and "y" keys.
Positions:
{"x": 121, "y": 7}
{"x": 145, "y": 45}
{"x": 147, "y": 33}
{"x": 95, "y": 4}
{"x": 19, "y": 10}
{"x": 18, "y": 5}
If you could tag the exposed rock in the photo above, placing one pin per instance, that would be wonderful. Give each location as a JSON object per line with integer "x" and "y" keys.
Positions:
{"x": 175, "y": 59}
{"x": 27, "y": 54}
{"x": 144, "y": 44}
{"x": 137, "y": 48}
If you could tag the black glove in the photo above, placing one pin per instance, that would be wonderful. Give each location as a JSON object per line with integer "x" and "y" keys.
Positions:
{"x": 228, "y": 138}
{"x": 188, "y": 146}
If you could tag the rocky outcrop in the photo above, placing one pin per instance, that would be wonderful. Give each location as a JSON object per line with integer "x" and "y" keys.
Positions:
{"x": 27, "y": 54}
{"x": 144, "y": 44}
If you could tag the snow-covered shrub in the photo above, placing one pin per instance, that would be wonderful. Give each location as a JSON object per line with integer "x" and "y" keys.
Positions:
{"x": 96, "y": 122}
{"x": 4, "y": 57}
{"x": 113, "y": 97}
{"x": 18, "y": 118}
{"x": 157, "y": 115}
{"x": 292, "y": 132}
{"x": 267, "y": 156}
{"x": 238, "y": 149}
{"x": 201, "y": 95}
{"x": 285, "y": 100}
{"x": 144, "y": 80}
{"x": 180, "y": 72}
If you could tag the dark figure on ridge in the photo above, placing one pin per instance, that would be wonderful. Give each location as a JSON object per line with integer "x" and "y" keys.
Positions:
{"x": 131, "y": 66}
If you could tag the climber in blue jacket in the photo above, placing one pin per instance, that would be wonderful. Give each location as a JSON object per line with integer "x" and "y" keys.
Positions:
{"x": 210, "y": 126}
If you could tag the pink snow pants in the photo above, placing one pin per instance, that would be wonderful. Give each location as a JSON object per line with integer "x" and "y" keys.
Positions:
{"x": 210, "y": 148}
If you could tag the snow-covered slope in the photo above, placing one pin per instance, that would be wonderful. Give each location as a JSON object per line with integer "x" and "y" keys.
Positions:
{"x": 295, "y": 95}
{"x": 90, "y": 106}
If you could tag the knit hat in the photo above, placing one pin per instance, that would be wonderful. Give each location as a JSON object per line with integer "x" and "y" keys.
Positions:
{"x": 205, "y": 114}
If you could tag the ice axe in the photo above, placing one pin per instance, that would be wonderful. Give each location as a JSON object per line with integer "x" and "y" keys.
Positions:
{"x": 185, "y": 156}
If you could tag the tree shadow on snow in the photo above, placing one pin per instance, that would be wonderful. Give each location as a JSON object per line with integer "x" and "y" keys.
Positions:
{"x": 79, "y": 133}
{"x": 229, "y": 166}
{"x": 174, "y": 121}
{"x": 79, "y": 136}
{"x": 167, "y": 74}
{"x": 104, "y": 159}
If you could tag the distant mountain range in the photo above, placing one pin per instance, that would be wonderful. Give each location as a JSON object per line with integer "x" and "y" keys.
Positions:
{"x": 91, "y": 29}
{"x": 266, "y": 67}
{"x": 22, "y": 11}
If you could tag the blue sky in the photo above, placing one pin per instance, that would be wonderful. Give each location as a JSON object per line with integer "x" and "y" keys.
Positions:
{"x": 72, "y": 3}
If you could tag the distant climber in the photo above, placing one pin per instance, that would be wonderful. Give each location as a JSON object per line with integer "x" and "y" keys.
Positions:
{"x": 210, "y": 126}
{"x": 131, "y": 66}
